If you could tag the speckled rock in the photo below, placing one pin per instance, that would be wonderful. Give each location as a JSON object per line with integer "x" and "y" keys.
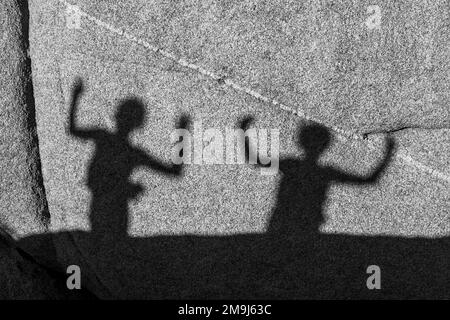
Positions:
{"x": 23, "y": 207}
{"x": 206, "y": 233}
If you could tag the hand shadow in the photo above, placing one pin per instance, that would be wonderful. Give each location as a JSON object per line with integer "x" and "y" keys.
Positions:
{"x": 305, "y": 183}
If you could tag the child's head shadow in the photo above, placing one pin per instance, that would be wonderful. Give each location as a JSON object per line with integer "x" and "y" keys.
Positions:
{"x": 130, "y": 115}
{"x": 314, "y": 139}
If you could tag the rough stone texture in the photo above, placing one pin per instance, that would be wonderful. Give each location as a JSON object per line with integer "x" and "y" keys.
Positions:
{"x": 23, "y": 206}
{"x": 203, "y": 234}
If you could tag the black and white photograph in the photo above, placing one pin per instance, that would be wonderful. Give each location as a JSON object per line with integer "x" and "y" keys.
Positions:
{"x": 240, "y": 152}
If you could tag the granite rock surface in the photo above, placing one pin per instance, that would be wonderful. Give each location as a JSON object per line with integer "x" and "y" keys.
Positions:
{"x": 140, "y": 231}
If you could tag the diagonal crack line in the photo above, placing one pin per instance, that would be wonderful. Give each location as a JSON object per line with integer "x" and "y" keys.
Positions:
{"x": 405, "y": 157}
